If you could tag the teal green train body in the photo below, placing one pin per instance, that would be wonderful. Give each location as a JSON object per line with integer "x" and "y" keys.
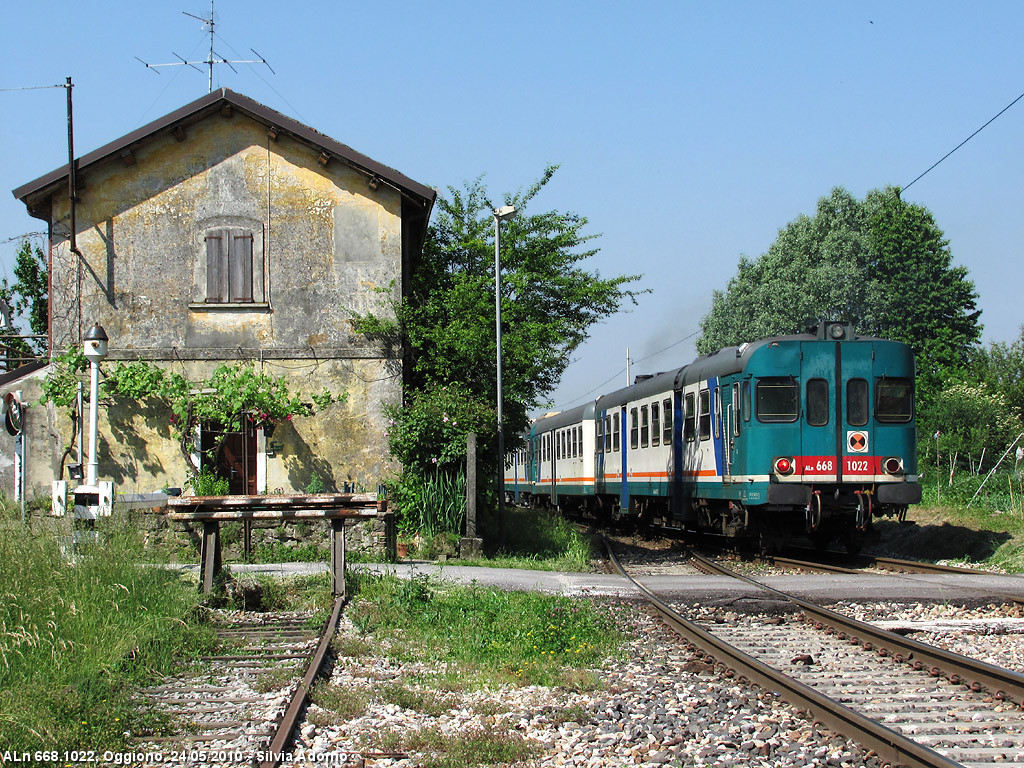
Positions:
{"x": 812, "y": 434}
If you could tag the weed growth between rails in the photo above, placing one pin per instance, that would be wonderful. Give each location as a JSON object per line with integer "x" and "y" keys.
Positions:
{"x": 79, "y": 631}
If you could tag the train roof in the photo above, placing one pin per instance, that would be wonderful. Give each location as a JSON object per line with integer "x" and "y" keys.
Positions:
{"x": 564, "y": 418}
{"x": 724, "y": 362}
{"x": 656, "y": 384}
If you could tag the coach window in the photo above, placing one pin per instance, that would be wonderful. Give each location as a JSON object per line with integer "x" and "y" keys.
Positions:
{"x": 690, "y": 420}
{"x": 634, "y": 429}
{"x": 745, "y": 399}
{"x": 615, "y": 432}
{"x": 704, "y": 414}
{"x": 817, "y": 402}
{"x": 894, "y": 400}
{"x": 599, "y": 442}
{"x": 645, "y": 427}
{"x": 778, "y": 399}
{"x": 655, "y": 424}
{"x": 575, "y": 442}
{"x": 857, "y": 402}
{"x": 666, "y": 435}
{"x": 736, "y": 409}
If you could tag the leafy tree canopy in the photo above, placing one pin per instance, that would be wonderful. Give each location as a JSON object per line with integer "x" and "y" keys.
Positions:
{"x": 28, "y": 299}
{"x": 1001, "y": 367}
{"x": 549, "y": 299}
{"x": 881, "y": 263}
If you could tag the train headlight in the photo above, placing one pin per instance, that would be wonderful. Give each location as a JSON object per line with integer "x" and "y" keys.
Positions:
{"x": 837, "y": 331}
{"x": 893, "y": 465}
{"x": 784, "y": 466}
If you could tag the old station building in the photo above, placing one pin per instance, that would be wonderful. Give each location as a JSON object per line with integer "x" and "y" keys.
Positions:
{"x": 227, "y": 231}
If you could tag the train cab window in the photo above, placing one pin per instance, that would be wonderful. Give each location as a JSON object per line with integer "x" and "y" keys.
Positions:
{"x": 736, "y": 409}
{"x": 690, "y": 420}
{"x": 704, "y": 414}
{"x": 634, "y": 429}
{"x": 894, "y": 400}
{"x": 745, "y": 399}
{"x": 857, "y": 402}
{"x": 615, "y": 432}
{"x": 655, "y": 423}
{"x": 645, "y": 427}
{"x": 817, "y": 402}
{"x": 666, "y": 434}
{"x": 607, "y": 433}
{"x": 778, "y": 399}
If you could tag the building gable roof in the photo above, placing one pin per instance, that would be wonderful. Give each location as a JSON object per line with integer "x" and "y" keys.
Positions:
{"x": 218, "y": 100}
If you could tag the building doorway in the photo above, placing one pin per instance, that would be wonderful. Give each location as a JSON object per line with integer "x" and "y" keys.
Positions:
{"x": 235, "y": 459}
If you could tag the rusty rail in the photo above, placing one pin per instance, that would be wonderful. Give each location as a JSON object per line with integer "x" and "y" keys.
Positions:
{"x": 889, "y": 744}
{"x": 279, "y": 743}
{"x": 977, "y": 675}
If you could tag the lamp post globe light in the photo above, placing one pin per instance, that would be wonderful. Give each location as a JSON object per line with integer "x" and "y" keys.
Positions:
{"x": 95, "y": 350}
{"x": 500, "y": 215}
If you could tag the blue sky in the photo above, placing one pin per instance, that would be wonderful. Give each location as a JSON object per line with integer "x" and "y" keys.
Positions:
{"x": 687, "y": 133}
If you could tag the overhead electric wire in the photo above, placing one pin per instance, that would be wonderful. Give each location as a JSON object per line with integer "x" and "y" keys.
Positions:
{"x": 622, "y": 370}
{"x": 954, "y": 149}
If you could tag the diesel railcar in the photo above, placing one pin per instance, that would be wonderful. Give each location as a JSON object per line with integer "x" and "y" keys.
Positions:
{"x": 812, "y": 433}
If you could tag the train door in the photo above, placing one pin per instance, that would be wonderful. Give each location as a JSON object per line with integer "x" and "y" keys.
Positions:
{"x": 599, "y": 454}
{"x": 821, "y": 374}
{"x": 855, "y": 440}
{"x": 624, "y": 488}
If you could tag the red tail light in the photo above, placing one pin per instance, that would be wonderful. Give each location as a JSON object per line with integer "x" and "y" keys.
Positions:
{"x": 893, "y": 466}
{"x": 784, "y": 466}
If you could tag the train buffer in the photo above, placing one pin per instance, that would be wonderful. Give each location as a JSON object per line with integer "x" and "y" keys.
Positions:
{"x": 211, "y": 511}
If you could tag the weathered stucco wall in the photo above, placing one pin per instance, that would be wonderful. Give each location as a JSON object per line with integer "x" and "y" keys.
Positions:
{"x": 324, "y": 242}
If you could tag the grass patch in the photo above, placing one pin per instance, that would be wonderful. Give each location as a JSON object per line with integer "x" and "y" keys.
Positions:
{"x": 990, "y": 533}
{"x": 484, "y": 746}
{"x": 540, "y": 540}
{"x": 489, "y": 636}
{"x": 276, "y": 678}
{"x": 79, "y": 632}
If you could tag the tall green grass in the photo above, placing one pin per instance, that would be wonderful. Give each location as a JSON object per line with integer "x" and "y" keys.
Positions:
{"x": 79, "y": 629}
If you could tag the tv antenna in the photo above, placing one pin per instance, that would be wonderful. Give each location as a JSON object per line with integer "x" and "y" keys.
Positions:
{"x": 213, "y": 58}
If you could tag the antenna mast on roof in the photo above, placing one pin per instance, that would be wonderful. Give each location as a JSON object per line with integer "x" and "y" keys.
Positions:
{"x": 213, "y": 58}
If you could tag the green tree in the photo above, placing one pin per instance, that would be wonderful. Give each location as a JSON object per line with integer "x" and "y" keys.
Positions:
{"x": 1001, "y": 367}
{"x": 971, "y": 421}
{"x": 549, "y": 302}
{"x": 28, "y": 299}
{"x": 881, "y": 263}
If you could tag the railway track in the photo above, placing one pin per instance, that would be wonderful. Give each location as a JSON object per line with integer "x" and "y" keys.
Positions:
{"x": 913, "y": 704}
{"x": 243, "y": 706}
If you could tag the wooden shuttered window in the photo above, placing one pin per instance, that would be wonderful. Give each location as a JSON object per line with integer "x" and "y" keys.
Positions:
{"x": 229, "y": 265}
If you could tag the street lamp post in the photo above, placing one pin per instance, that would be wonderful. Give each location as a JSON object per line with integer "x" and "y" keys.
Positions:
{"x": 500, "y": 214}
{"x": 95, "y": 349}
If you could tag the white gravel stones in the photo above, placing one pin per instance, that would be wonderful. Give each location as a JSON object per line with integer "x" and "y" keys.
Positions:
{"x": 991, "y": 633}
{"x": 658, "y": 707}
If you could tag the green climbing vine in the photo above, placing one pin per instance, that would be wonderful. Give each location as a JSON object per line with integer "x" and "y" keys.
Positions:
{"x": 234, "y": 396}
